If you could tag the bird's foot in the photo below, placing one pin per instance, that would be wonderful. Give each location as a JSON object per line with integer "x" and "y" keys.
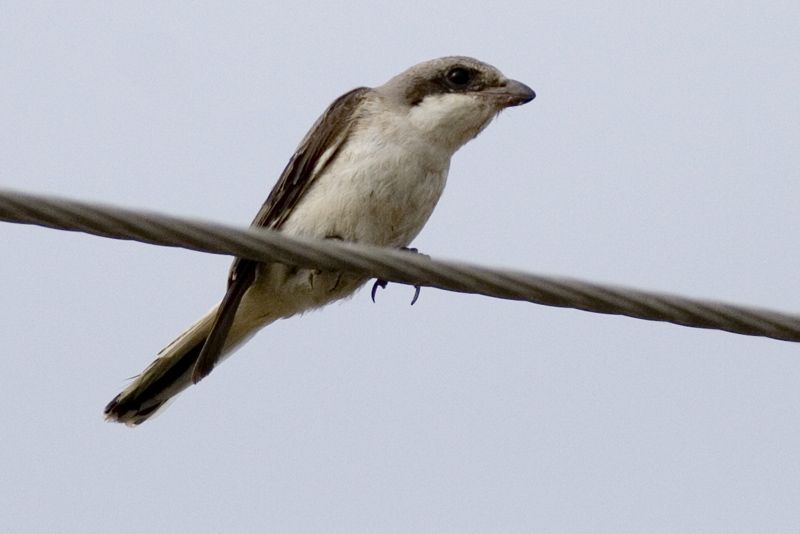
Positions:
{"x": 379, "y": 282}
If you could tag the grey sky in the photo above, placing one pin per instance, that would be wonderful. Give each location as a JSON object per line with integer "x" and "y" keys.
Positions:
{"x": 662, "y": 152}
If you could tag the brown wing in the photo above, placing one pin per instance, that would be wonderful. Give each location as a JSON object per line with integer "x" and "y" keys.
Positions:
{"x": 296, "y": 177}
{"x": 326, "y": 135}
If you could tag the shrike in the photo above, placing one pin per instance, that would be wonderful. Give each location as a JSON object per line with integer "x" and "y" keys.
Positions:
{"x": 370, "y": 170}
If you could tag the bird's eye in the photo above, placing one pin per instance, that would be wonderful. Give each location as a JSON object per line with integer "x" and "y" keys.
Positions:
{"x": 458, "y": 77}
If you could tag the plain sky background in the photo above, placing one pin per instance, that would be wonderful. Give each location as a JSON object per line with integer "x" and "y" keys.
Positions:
{"x": 662, "y": 152}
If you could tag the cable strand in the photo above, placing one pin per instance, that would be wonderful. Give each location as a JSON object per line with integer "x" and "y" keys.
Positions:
{"x": 391, "y": 265}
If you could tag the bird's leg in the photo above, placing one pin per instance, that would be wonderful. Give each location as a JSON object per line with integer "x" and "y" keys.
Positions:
{"x": 379, "y": 282}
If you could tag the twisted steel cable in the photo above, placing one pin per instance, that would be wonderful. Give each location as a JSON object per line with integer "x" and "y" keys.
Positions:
{"x": 391, "y": 265}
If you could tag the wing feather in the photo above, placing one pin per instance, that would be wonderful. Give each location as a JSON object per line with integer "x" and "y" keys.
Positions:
{"x": 326, "y": 135}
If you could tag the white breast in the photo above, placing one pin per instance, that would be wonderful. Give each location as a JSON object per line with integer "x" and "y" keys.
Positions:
{"x": 381, "y": 188}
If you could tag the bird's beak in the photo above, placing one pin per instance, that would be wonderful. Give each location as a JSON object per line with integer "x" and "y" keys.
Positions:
{"x": 511, "y": 93}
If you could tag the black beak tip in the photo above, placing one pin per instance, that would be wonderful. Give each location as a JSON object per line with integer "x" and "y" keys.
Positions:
{"x": 518, "y": 93}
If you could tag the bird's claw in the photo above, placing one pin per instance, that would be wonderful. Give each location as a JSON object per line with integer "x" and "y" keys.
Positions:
{"x": 383, "y": 283}
{"x": 416, "y": 294}
{"x": 378, "y": 283}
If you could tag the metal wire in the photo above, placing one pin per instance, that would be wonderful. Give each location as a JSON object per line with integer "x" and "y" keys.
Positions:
{"x": 391, "y": 265}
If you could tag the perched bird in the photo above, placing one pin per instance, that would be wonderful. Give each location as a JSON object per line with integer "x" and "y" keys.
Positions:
{"x": 370, "y": 170}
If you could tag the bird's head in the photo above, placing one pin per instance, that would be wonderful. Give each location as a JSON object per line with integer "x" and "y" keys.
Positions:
{"x": 452, "y": 99}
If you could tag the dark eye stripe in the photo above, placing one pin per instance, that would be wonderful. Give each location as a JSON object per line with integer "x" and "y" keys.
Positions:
{"x": 454, "y": 79}
{"x": 459, "y": 78}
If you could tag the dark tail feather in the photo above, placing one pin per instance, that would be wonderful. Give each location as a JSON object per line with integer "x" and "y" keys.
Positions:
{"x": 167, "y": 376}
{"x": 136, "y": 406}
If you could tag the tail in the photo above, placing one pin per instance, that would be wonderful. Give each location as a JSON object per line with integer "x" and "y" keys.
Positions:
{"x": 172, "y": 371}
{"x": 167, "y": 376}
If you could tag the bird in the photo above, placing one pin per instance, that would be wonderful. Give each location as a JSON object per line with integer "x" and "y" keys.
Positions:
{"x": 370, "y": 170}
